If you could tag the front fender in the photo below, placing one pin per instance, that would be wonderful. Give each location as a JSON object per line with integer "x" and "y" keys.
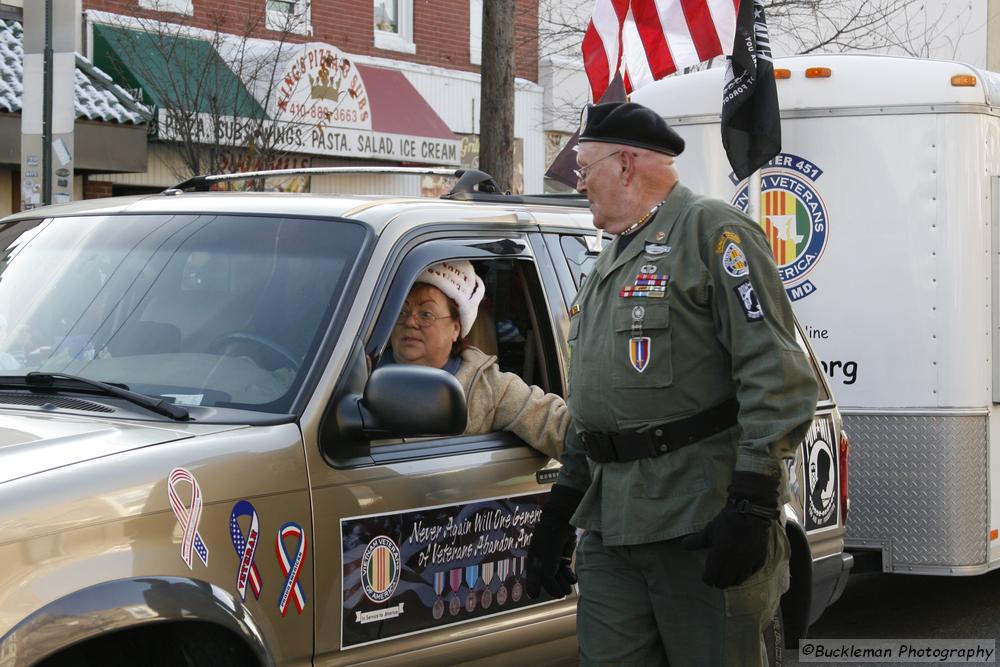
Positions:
{"x": 127, "y": 603}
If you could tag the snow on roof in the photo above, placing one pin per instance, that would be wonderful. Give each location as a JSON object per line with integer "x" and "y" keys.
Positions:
{"x": 96, "y": 96}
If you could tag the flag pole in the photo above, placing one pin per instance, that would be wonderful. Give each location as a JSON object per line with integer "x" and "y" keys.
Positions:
{"x": 753, "y": 196}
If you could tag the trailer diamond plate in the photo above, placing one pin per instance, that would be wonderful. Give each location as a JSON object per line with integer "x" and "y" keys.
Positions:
{"x": 920, "y": 484}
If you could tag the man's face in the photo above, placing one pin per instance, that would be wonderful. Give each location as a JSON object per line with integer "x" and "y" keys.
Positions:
{"x": 601, "y": 183}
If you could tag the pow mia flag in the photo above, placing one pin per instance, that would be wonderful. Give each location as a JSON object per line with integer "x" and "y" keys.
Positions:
{"x": 751, "y": 125}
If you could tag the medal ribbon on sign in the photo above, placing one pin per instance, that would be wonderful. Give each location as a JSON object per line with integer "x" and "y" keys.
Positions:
{"x": 455, "y": 578}
{"x": 291, "y": 570}
{"x": 187, "y": 516}
{"x": 471, "y": 575}
{"x": 246, "y": 547}
{"x": 439, "y": 583}
{"x": 503, "y": 569}
{"x": 487, "y": 573}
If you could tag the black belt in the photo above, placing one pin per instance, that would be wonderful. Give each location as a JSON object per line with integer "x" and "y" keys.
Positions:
{"x": 661, "y": 438}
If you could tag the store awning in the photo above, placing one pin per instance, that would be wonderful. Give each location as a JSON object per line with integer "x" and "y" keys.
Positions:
{"x": 173, "y": 71}
{"x": 399, "y": 108}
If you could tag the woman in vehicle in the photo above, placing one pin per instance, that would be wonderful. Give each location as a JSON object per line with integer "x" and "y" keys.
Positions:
{"x": 430, "y": 330}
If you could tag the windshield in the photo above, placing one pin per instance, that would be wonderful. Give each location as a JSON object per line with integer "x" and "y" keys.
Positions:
{"x": 210, "y": 310}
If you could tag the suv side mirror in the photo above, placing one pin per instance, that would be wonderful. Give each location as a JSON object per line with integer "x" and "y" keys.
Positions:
{"x": 406, "y": 400}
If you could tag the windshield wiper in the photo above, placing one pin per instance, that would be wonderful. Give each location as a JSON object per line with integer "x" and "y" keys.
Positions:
{"x": 157, "y": 405}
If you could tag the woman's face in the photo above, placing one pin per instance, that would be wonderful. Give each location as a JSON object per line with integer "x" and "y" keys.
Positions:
{"x": 417, "y": 342}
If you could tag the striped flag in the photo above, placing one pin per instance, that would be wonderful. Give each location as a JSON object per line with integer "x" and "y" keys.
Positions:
{"x": 654, "y": 38}
{"x": 602, "y": 44}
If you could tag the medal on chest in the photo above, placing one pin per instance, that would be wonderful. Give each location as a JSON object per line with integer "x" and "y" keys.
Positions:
{"x": 639, "y": 347}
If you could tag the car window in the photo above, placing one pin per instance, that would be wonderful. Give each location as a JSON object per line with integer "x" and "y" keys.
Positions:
{"x": 207, "y": 310}
{"x": 511, "y": 324}
{"x": 578, "y": 256}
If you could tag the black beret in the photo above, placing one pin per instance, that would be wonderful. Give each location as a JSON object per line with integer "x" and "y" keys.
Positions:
{"x": 630, "y": 124}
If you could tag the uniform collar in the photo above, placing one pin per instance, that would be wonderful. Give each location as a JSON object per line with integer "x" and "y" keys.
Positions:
{"x": 656, "y": 231}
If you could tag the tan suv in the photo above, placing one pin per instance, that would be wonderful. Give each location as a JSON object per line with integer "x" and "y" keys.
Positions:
{"x": 198, "y": 464}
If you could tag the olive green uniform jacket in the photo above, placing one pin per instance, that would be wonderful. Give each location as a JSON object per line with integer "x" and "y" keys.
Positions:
{"x": 722, "y": 329}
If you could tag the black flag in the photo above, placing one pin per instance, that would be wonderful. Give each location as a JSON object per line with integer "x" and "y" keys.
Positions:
{"x": 751, "y": 124}
{"x": 562, "y": 167}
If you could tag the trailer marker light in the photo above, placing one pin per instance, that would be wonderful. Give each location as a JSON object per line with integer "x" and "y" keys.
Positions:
{"x": 994, "y": 534}
{"x": 963, "y": 80}
{"x": 844, "y": 452}
{"x": 818, "y": 72}
{"x": 782, "y": 73}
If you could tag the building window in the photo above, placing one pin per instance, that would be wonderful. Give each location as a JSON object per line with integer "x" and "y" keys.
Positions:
{"x": 174, "y": 6}
{"x": 476, "y": 32}
{"x": 394, "y": 25}
{"x": 289, "y": 16}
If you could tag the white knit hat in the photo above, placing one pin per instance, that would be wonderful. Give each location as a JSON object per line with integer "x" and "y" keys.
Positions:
{"x": 459, "y": 282}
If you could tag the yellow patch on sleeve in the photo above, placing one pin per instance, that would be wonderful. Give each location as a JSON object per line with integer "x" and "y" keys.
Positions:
{"x": 720, "y": 245}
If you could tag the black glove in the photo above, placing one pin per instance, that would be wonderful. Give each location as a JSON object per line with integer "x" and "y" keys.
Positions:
{"x": 552, "y": 545}
{"x": 737, "y": 536}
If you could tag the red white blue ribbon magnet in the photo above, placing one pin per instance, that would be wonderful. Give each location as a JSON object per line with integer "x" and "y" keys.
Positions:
{"x": 291, "y": 569}
{"x": 246, "y": 547}
{"x": 188, "y": 516}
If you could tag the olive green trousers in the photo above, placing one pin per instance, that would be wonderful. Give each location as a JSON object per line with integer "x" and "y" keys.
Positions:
{"x": 646, "y": 605}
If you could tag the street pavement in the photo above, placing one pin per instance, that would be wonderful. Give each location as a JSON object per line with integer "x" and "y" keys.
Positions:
{"x": 900, "y": 606}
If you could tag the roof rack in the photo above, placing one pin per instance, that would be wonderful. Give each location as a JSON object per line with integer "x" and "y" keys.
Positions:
{"x": 472, "y": 184}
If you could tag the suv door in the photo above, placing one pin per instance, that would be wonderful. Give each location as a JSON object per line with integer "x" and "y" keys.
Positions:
{"x": 421, "y": 542}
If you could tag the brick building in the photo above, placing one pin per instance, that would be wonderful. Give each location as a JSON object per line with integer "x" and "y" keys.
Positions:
{"x": 351, "y": 82}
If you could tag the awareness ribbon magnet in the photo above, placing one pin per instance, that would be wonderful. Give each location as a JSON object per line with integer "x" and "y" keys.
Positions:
{"x": 291, "y": 569}
{"x": 246, "y": 547}
{"x": 187, "y": 516}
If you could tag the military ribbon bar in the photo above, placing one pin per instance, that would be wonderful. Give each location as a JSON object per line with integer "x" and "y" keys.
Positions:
{"x": 655, "y": 278}
{"x": 291, "y": 570}
{"x": 629, "y": 292}
{"x": 246, "y": 547}
{"x": 188, "y": 516}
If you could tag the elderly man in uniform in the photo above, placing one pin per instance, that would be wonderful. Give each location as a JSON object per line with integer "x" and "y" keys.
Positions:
{"x": 687, "y": 388}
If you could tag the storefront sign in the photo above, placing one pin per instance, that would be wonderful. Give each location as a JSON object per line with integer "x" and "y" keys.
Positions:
{"x": 313, "y": 139}
{"x": 437, "y": 566}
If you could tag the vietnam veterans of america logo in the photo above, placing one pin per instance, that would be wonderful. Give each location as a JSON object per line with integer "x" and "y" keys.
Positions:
{"x": 793, "y": 217}
{"x": 380, "y": 569}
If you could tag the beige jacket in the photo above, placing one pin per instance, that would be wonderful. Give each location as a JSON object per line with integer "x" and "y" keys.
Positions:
{"x": 499, "y": 401}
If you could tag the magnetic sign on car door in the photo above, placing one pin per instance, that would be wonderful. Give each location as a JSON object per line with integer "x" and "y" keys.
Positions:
{"x": 431, "y": 567}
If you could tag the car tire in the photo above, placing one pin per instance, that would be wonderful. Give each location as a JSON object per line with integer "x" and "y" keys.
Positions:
{"x": 774, "y": 641}
{"x": 180, "y": 645}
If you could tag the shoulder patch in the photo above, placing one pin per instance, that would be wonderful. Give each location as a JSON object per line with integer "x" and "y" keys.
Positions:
{"x": 735, "y": 262}
{"x": 751, "y": 306}
{"x": 732, "y": 237}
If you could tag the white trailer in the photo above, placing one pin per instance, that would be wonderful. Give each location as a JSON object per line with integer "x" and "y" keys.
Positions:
{"x": 883, "y": 215}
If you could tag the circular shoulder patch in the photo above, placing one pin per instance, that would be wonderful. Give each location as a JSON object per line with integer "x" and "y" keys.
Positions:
{"x": 734, "y": 261}
{"x": 380, "y": 567}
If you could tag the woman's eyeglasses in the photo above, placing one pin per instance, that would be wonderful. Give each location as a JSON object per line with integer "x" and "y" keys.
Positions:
{"x": 424, "y": 318}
